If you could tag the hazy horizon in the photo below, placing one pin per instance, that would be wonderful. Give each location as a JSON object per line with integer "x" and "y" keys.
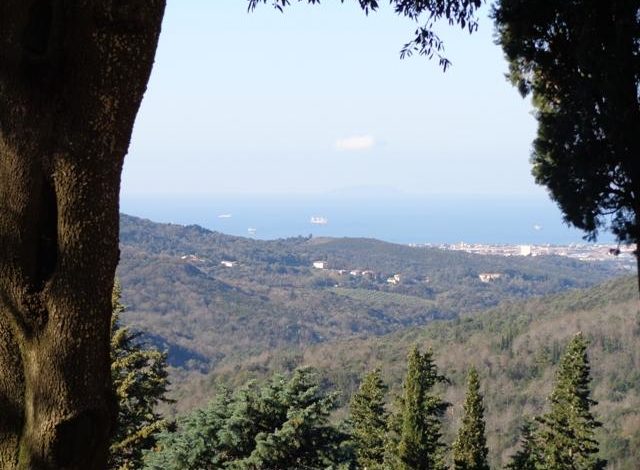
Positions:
{"x": 393, "y": 217}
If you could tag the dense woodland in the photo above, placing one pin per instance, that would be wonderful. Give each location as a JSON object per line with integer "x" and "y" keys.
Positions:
{"x": 513, "y": 338}
{"x": 523, "y": 398}
{"x": 515, "y": 347}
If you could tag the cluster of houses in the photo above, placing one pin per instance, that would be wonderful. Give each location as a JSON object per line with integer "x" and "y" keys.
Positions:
{"x": 394, "y": 280}
{"x": 323, "y": 265}
{"x": 196, "y": 259}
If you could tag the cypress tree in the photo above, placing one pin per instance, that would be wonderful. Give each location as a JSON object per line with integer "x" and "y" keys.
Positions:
{"x": 369, "y": 421}
{"x": 567, "y": 432}
{"x": 420, "y": 413}
{"x": 527, "y": 458}
{"x": 140, "y": 382}
{"x": 470, "y": 448}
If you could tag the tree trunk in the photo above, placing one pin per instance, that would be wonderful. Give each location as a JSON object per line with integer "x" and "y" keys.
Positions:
{"x": 72, "y": 76}
{"x": 637, "y": 253}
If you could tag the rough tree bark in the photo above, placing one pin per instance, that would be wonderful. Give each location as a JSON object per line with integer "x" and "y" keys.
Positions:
{"x": 72, "y": 76}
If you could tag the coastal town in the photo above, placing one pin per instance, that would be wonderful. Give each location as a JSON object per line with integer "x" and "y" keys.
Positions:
{"x": 623, "y": 256}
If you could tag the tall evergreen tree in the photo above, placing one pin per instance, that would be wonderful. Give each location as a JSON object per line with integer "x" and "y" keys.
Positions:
{"x": 369, "y": 421}
{"x": 567, "y": 432}
{"x": 418, "y": 422}
{"x": 140, "y": 383}
{"x": 470, "y": 448}
{"x": 527, "y": 458}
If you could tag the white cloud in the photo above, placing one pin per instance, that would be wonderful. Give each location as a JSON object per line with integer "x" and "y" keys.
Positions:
{"x": 356, "y": 142}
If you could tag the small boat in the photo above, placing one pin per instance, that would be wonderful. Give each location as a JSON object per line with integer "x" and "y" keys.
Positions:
{"x": 225, "y": 216}
{"x": 252, "y": 231}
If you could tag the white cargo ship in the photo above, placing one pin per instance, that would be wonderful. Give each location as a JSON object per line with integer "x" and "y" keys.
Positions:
{"x": 318, "y": 220}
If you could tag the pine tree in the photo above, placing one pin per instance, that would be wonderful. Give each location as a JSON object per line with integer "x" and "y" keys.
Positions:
{"x": 305, "y": 438}
{"x": 567, "y": 432}
{"x": 527, "y": 458}
{"x": 193, "y": 443}
{"x": 369, "y": 421}
{"x": 140, "y": 382}
{"x": 470, "y": 448}
{"x": 283, "y": 424}
{"x": 418, "y": 423}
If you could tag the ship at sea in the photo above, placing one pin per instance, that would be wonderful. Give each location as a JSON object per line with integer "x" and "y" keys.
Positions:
{"x": 318, "y": 220}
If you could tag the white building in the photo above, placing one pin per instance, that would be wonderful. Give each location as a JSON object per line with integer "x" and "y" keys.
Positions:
{"x": 191, "y": 258}
{"x": 395, "y": 280}
{"x": 525, "y": 250}
{"x": 488, "y": 277}
{"x": 228, "y": 264}
{"x": 320, "y": 264}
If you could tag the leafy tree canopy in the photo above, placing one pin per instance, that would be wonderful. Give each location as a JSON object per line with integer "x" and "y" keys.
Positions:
{"x": 580, "y": 61}
{"x": 425, "y": 13}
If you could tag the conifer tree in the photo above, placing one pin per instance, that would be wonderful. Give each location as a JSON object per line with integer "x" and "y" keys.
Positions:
{"x": 470, "y": 448}
{"x": 527, "y": 458}
{"x": 194, "y": 443}
{"x": 281, "y": 425}
{"x": 304, "y": 438}
{"x": 567, "y": 432}
{"x": 418, "y": 424}
{"x": 369, "y": 421}
{"x": 140, "y": 382}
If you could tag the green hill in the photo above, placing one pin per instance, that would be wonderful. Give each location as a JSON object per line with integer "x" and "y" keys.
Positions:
{"x": 515, "y": 348}
{"x": 184, "y": 300}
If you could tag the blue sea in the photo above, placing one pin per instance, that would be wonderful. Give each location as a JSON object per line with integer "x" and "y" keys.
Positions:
{"x": 399, "y": 219}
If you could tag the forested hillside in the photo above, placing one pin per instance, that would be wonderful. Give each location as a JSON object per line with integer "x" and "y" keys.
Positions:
{"x": 271, "y": 311}
{"x": 183, "y": 298}
{"x": 515, "y": 348}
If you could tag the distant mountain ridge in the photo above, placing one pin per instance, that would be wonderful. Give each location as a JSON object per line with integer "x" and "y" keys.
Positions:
{"x": 181, "y": 296}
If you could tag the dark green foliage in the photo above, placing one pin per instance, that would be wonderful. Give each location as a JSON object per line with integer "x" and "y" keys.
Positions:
{"x": 139, "y": 377}
{"x": 470, "y": 448}
{"x": 516, "y": 381}
{"x": 283, "y": 424}
{"x": 567, "y": 432}
{"x": 426, "y": 42}
{"x": 528, "y": 456}
{"x": 419, "y": 445}
{"x": 580, "y": 60}
{"x": 369, "y": 421}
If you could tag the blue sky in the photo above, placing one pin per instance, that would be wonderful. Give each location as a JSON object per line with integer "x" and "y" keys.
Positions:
{"x": 317, "y": 100}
